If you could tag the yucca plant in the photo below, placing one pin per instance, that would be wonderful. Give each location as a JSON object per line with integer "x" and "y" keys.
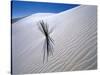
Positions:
{"x": 48, "y": 46}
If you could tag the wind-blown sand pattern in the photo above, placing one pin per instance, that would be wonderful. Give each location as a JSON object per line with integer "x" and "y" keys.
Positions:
{"x": 74, "y": 32}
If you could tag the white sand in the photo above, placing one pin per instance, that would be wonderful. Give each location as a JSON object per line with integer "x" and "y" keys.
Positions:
{"x": 75, "y": 36}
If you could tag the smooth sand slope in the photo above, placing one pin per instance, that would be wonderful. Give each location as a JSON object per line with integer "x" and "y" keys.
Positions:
{"x": 75, "y": 36}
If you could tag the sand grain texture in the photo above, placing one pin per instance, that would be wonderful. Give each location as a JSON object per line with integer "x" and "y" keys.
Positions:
{"x": 74, "y": 32}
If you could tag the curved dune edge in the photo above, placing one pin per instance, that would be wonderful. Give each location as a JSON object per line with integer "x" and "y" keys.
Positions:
{"x": 75, "y": 35}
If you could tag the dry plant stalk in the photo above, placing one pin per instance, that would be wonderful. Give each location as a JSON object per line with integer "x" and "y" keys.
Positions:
{"x": 48, "y": 46}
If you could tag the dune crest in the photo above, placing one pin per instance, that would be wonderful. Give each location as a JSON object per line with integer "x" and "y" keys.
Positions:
{"x": 75, "y": 36}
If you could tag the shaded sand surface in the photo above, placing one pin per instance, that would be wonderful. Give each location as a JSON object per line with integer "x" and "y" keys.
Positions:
{"x": 75, "y": 36}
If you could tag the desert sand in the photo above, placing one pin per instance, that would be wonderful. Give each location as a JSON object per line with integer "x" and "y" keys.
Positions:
{"x": 74, "y": 33}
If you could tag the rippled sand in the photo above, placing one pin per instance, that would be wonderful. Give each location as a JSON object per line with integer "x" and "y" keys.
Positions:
{"x": 74, "y": 32}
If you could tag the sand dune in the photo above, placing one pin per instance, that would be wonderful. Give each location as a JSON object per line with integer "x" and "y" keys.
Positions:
{"x": 75, "y": 36}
